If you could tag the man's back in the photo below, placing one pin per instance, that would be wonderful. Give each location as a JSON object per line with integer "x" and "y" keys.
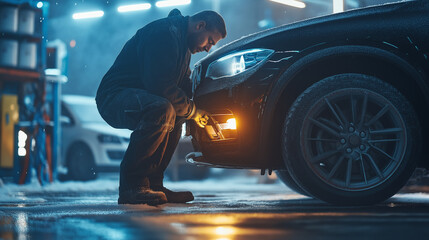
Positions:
{"x": 141, "y": 63}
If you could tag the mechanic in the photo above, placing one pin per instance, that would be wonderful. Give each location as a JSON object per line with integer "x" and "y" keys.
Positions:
{"x": 148, "y": 90}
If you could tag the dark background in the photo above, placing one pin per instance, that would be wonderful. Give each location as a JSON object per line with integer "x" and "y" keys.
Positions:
{"x": 98, "y": 41}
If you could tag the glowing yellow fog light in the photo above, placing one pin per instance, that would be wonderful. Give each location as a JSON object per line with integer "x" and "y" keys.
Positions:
{"x": 224, "y": 231}
{"x": 222, "y": 128}
{"x": 230, "y": 124}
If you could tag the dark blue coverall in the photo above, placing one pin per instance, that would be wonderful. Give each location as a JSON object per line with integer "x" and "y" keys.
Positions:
{"x": 147, "y": 90}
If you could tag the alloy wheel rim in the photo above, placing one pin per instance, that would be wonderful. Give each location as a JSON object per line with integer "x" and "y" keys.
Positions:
{"x": 353, "y": 139}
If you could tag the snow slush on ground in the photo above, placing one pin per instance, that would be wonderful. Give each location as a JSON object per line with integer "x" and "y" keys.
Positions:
{"x": 34, "y": 192}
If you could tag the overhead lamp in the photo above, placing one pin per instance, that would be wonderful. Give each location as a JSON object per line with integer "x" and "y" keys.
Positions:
{"x": 338, "y": 6}
{"x": 134, "y": 7}
{"x": 170, "y": 3}
{"x": 93, "y": 14}
{"x": 39, "y": 4}
{"x": 292, "y": 3}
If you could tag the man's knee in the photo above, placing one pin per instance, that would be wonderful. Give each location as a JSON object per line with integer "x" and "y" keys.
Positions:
{"x": 167, "y": 109}
{"x": 161, "y": 114}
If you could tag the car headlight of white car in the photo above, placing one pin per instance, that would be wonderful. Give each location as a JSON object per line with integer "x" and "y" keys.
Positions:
{"x": 104, "y": 138}
{"x": 237, "y": 62}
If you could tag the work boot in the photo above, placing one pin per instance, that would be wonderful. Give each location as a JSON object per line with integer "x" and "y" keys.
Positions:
{"x": 174, "y": 197}
{"x": 142, "y": 195}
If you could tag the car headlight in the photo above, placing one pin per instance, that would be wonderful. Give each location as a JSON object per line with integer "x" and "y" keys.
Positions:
{"x": 238, "y": 62}
{"x": 104, "y": 138}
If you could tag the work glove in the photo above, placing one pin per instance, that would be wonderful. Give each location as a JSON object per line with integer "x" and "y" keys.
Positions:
{"x": 201, "y": 117}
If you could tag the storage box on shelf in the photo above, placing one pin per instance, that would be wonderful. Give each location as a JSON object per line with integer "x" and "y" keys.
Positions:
{"x": 20, "y": 42}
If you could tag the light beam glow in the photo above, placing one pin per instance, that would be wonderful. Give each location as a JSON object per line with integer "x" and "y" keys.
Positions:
{"x": 230, "y": 124}
{"x": 170, "y": 3}
{"x": 93, "y": 14}
{"x": 292, "y": 3}
{"x": 224, "y": 230}
{"x": 338, "y": 6}
{"x": 22, "y": 138}
{"x": 22, "y": 152}
{"x": 238, "y": 67}
{"x": 134, "y": 7}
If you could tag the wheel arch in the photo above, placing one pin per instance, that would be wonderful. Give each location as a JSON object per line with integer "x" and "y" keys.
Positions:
{"x": 336, "y": 60}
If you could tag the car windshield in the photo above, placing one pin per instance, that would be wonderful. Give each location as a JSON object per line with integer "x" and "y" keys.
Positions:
{"x": 87, "y": 112}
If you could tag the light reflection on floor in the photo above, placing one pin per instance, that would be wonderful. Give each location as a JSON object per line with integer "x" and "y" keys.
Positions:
{"x": 230, "y": 225}
{"x": 240, "y": 211}
{"x": 216, "y": 227}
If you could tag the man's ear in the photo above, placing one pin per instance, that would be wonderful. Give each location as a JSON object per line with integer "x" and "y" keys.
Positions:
{"x": 200, "y": 25}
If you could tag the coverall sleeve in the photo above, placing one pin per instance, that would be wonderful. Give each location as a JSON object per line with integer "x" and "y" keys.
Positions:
{"x": 186, "y": 85}
{"x": 159, "y": 71}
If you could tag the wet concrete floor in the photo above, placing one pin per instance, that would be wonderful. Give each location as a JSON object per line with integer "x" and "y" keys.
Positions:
{"x": 222, "y": 211}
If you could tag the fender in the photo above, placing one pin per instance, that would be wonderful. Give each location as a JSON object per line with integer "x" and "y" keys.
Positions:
{"x": 288, "y": 77}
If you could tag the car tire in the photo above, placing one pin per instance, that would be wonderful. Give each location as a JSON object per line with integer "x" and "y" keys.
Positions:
{"x": 351, "y": 139}
{"x": 80, "y": 163}
{"x": 287, "y": 179}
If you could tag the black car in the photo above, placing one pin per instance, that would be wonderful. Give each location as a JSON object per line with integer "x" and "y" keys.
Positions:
{"x": 337, "y": 105}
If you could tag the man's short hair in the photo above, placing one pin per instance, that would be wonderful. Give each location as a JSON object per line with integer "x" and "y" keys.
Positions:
{"x": 213, "y": 20}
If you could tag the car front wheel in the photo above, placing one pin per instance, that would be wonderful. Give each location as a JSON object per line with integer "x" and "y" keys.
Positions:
{"x": 287, "y": 179}
{"x": 80, "y": 162}
{"x": 351, "y": 139}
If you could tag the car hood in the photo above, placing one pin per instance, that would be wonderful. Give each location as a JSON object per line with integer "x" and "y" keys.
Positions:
{"x": 241, "y": 43}
{"x": 106, "y": 129}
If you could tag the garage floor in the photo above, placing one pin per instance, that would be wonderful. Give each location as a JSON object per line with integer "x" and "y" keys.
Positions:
{"x": 237, "y": 208}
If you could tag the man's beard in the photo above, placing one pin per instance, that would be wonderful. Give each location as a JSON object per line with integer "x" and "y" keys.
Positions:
{"x": 192, "y": 42}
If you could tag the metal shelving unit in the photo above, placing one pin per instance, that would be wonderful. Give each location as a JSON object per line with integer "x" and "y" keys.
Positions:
{"x": 11, "y": 74}
{"x": 26, "y": 80}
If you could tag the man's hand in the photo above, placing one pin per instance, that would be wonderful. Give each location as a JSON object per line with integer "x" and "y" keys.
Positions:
{"x": 201, "y": 117}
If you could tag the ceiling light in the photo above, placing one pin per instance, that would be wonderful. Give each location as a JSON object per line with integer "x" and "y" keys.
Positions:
{"x": 93, "y": 14}
{"x": 170, "y": 3}
{"x": 134, "y": 7}
{"x": 338, "y": 6}
{"x": 292, "y": 3}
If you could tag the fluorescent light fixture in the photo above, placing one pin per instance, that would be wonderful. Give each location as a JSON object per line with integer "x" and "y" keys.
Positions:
{"x": 170, "y": 3}
{"x": 22, "y": 152}
{"x": 93, "y": 14}
{"x": 22, "y": 138}
{"x": 292, "y": 3}
{"x": 338, "y": 6}
{"x": 134, "y": 7}
{"x": 53, "y": 71}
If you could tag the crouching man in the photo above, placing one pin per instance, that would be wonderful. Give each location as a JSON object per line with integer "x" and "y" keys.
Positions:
{"x": 147, "y": 90}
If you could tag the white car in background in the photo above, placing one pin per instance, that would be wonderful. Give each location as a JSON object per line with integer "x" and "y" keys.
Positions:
{"x": 89, "y": 144}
